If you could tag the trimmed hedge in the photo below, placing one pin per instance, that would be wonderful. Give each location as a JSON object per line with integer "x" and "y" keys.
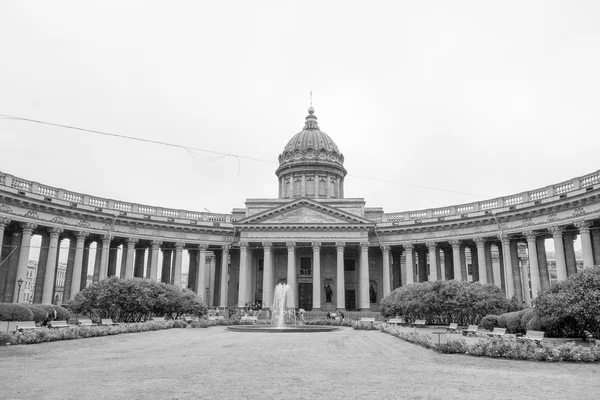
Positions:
{"x": 15, "y": 312}
{"x": 489, "y": 322}
{"x": 62, "y": 314}
{"x": 39, "y": 314}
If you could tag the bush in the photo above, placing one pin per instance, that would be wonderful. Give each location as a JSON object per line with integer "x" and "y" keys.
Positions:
{"x": 39, "y": 314}
{"x": 15, "y": 312}
{"x": 570, "y": 308}
{"x": 444, "y": 302}
{"x": 62, "y": 314}
{"x": 502, "y": 320}
{"x": 513, "y": 321}
{"x": 136, "y": 300}
{"x": 489, "y": 322}
{"x": 529, "y": 314}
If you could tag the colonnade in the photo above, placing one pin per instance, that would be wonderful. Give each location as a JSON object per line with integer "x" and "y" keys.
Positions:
{"x": 15, "y": 256}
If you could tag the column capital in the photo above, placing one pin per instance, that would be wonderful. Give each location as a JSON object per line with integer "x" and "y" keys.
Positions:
{"x": 179, "y": 245}
{"x": 583, "y": 226}
{"x": 225, "y": 247}
{"x": 504, "y": 238}
{"x": 340, "y": 246}
{"x": 267, "y": 245}
{"x": 243, "y": 245}
{"x": 4, "y": 221}
{"x": 316, "y": 245}
{"x": 28, "y": 227}
{"x": 530, "y": 235}
{"x": 455, "y": 243}
{"x": 364, "y": 246}
{"x": 408, "y": 246}
{"x": 385, "y": 248}
{"x": 556, "y": 231}
{"x": 80, "y": 235}
{"x": 55, "y": 232}
{"x": 131, "y": 242}
{"x": 479, "y": 240}
{"x": 431, "y": 245}
{"x": 203, "y": 247}
{"x": 290, "y": 245}
{"x": 156, "y": 244}
{"x": 106, "y": 239}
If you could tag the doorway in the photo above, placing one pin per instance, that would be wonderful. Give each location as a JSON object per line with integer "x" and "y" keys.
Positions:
{"x": 350, "y": 300}
{"x": 305, "y": 296}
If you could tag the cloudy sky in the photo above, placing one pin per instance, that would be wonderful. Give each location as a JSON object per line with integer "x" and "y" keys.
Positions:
{"x": 481, "y": 98}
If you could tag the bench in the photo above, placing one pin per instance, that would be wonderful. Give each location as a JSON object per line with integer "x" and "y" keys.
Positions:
{"x": 395, "y": 321}
{"x": 85, "y": 322}
{"x": 158, "y": 319}
{"x": 533, "y": 336}
{"x": 249, "y": 318}
{"x": 26, "y": 325}
{"x": 366, "y": 319}
{"x": 452, "y": 328}
{"x": 471, "y": 330}
{"x": 108, "y": 322}
{"x": 419, "y": 322}
{"x": 497, "y": 332}
{"x": 215, "y": 317}
{"x": 59, "y": 324}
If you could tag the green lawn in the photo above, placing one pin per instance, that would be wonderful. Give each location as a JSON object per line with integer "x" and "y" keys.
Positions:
{"x": 217, "y": 364}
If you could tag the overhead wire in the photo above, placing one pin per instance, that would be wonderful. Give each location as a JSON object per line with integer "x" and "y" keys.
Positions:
{"x": 222, "y": 154}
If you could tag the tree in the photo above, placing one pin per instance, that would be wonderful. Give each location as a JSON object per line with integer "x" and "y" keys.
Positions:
{"x": 443, "y": 302}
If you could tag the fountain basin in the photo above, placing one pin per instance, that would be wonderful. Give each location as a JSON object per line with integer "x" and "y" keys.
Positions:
{"x": 285, "y": 329}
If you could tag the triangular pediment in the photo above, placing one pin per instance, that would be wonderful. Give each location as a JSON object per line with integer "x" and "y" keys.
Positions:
{"x": 304, "y": 211}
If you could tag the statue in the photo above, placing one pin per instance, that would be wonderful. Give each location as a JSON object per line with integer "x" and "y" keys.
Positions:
{"x": 328, "y": 293}
{"x": 372, "y": 294}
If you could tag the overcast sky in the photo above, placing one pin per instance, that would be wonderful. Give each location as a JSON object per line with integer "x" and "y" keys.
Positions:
{"x": 485, "y": 98}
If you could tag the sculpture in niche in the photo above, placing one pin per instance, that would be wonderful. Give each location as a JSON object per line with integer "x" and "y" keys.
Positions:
{"x": 328, "y": 293}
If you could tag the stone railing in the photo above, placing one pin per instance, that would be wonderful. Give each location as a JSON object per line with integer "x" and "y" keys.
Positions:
{"x": 522, "y": 199}
{"x": 99, "y": 204}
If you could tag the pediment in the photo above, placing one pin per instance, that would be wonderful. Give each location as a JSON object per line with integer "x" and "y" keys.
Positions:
{"x": 304, "y": 212}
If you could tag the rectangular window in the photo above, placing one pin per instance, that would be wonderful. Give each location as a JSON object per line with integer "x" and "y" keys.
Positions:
{"x": 469, "y": 269}
{"x": 349, "y": 265}
{"x": 322, "y": 186}
{"x": 261, "y": 265}
{"x": 310, "y": 186}
{"x": 305, "y": 266}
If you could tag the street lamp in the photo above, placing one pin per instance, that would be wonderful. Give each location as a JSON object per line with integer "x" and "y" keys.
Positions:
{"x": 19, "y": 282}
{"x": 206, "y": 298}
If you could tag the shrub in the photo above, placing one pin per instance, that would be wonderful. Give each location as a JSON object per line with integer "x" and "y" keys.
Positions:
{"x": 443, "y": 302}
{"x": 39, "y": 314}
{"x": 571, "y": 307}
{"x": 15, "y": 312}
{"x": 501, "y": 320}
{"x": 489, "y": 322}
{"x": 513, "y": 321}
{"x": 529, "y": 314}
{"x": 62, "y": 314}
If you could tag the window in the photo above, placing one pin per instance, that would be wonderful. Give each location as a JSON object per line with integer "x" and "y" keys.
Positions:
{"x": 305, "y": 266}
{"x": 349, "y": 265}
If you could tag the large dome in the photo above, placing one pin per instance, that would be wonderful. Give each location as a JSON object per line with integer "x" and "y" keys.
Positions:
{"x": 311, "y": 144}
{"x": 311, "y": 164}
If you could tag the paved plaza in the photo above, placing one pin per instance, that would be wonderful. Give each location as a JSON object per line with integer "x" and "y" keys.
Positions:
{"x": 218, "y": 364}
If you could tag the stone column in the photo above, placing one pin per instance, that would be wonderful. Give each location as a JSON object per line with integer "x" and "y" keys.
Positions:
{"x": 268, "y": 285}
{"x": 508, "y": 269}
{"x": 154, "y": 259}
{"x": 224, "y": 275}
{"x": 201, "y": 286}
{"x": 533, "y": 263}
{"x": 542, "y": 262}
{"x": 85, "y": 262}
{"x": 463, "y": 263}
{"x": 316, "y": 247}
{"x": 363, "y": 280}
{"x": 474, "y": 263}
{"x": 456, "y": 259}
{"x": 481, "y": 267}
{"x": 243, "y": 290}
{"x": 165, "y": 276}
{"x": 448, "y": 269}
{"x": 50, "y": 275}
{"x": 595, "y": 245}
{"x": 3, "y": 223}
{"x": 193, "y": 270}
{"x": 340, "y": 295}
{"x": 433, "y": 260}
{"x": 410, "y": 263}
{"x": 568, "y": 239}
{"x": 291, "y": 274}
{"x": 521, "y": 291}
{"x": 130, "y": 253}
{"x": 586, "y": 243}
{"x": 77, "y": 266}
{"x": 69, "y": 271}
{"x": 104, "y": 257}
{"x": 140, "y": 259}
{"x": 387, "y": 288}
{"x": 422, "y": 258}
{"x": 559, "y": 252}
{"x": 489, "y": 262}
{"x": 123, "y": 261}
{"x": 178, "y": 262}
{"x": 27, "y": 229}
{"x": 500, "y": 269}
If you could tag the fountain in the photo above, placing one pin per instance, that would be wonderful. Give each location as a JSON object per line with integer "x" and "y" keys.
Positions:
{"x": 278, "y": 317}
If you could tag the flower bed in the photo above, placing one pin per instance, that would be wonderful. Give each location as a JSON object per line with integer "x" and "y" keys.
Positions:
{"x": 499, "y": 348}
{"x": 80, "y": 332}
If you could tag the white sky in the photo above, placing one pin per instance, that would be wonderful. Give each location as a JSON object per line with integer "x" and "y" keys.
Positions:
{"x": 490, "y": 98}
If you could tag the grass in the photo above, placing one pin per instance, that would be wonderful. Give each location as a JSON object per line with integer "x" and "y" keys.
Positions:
{"x": 218, "y": 364}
